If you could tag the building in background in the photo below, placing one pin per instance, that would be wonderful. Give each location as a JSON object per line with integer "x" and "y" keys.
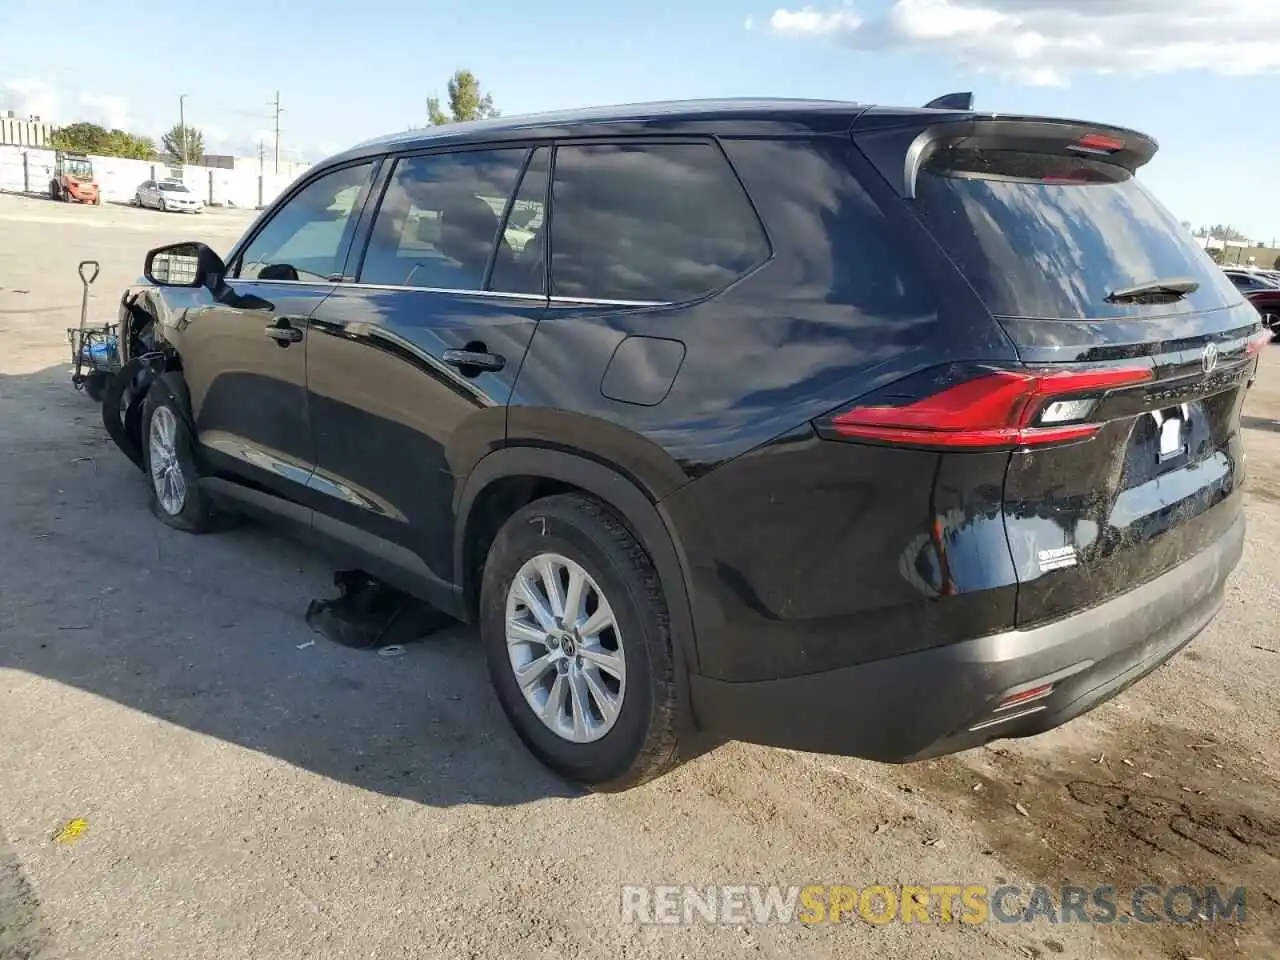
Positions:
{"x": 29, "y": 132}
{"x": 264, "y": 164}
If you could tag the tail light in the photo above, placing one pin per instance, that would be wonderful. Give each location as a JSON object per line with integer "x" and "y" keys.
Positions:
{"x": 1258, "y": 342}
{"x": 977, "y": 408}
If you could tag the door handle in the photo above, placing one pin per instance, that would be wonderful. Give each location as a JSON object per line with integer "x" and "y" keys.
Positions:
{"x": 474, "y": 360}
{"x": 283, "y": 333}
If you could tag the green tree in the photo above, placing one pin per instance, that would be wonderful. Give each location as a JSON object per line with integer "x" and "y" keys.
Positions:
{"x": 80, "y": 138}
{"x": 1215, "y": 255}
{"x": 1224, "y": 231}
{"x": 466, "y": 101}
{"x": 90, "y": 138}
{"x": 122, "y": 144}
{"x": 185, "y": 144}
{"x": 1276, "y": 265}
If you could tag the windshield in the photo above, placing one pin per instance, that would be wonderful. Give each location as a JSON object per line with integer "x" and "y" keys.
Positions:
{"x": 79, "y": 168}
{"x": 174, "y": 188}
{"x": 1041, "y": 235}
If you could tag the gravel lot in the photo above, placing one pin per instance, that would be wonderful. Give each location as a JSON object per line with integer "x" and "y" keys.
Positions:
{"x": 247, "y": 792}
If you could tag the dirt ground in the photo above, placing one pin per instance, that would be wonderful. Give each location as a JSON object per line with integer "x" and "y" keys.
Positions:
{"x": 186, "y": 771}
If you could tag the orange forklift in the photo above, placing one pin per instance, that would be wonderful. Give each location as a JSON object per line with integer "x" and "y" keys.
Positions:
{"x": 73, "y": 179}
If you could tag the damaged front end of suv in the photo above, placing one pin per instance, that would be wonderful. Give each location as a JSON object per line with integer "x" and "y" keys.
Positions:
{"x": 147, "y": 359}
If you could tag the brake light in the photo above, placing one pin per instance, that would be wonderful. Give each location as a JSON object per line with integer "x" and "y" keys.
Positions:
{"x": 1098, "y": 141}
{"x": 1026, "y": 696}
{"x": 995, "y": 409}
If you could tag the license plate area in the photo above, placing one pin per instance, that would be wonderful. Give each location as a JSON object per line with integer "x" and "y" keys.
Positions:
{"x": 1171, "y": 432}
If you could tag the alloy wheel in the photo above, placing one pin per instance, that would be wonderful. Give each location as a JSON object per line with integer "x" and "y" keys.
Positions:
{"x": 565, "y": 648}
{"x": 166, "y": 470}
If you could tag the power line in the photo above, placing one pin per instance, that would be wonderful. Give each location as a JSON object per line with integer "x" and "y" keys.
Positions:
{"x": 276, "y": 105}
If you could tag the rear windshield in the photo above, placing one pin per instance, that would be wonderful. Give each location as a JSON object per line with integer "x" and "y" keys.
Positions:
{"x": 1042, "y": 235}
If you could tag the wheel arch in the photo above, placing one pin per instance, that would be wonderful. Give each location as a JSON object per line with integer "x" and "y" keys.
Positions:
{"x": 508, "y": 478}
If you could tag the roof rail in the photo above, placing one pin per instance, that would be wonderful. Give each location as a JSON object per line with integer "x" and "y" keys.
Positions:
{"x": 951, "y": 101}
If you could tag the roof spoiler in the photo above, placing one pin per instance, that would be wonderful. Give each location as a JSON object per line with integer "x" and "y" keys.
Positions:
{"x": 898, "y": 146}
{"x": 951, "y": 101}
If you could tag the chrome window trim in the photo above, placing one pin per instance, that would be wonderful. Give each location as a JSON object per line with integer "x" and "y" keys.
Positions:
{"x": 531, "y": 297}
{"x": 598, "y": 301}
{"x": 356, "y": 285}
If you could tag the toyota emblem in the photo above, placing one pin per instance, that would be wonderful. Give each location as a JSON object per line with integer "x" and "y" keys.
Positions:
{"x": 1209, "y": 359}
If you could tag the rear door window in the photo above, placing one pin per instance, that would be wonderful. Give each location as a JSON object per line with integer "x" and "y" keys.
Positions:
{"x": 649, "y": 222}
{"x": 437, "y": 225}
{"x": 1043, "y": 235}
{"x": 521, "y": 266}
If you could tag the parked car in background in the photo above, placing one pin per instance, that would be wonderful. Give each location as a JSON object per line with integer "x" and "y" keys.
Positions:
{"x": 1267, "y": 303}
{"x": 1250, "y": 280}
{"x": 797, "y": 422}
{"x": 168, "y": 195}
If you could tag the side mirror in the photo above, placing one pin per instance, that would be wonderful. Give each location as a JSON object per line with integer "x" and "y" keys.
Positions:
{"x": 184, "y": 265}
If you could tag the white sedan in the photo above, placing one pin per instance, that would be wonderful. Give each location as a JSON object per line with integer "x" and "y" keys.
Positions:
{"x": 167, "y": 195}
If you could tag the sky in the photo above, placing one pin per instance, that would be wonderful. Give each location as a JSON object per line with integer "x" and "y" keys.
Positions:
{"x": 1202, "y": 76}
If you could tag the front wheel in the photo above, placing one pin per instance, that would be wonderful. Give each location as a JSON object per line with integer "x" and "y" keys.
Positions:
{"x": 576, "y": 632}
{"x": 1272, "y": 322}
{"x": 171, "y": 467}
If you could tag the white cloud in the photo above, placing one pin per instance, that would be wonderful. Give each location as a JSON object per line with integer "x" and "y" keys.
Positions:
{"x": 29, "y": 98}
{"x": 106, "y": 110}
{"x": 808, "y": 22}
{"x": 1045, "y": 42}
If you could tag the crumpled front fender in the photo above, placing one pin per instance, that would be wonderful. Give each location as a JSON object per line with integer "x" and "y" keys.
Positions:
{"x": 122, "y": 403}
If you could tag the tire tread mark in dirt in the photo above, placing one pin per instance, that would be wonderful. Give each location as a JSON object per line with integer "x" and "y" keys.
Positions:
{"x": 1146, "y": 817}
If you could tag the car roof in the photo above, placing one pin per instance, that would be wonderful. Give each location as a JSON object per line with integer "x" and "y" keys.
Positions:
{"x": 765, "y": 117}
{"x": 774, "y": 116}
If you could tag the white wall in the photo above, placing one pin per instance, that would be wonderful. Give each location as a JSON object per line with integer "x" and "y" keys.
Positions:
{"x": 29, "y": 169}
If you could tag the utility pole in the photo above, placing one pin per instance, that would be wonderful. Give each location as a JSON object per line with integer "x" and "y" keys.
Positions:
{"x": 276, "y": 104}
{"x": 182, "y": 126}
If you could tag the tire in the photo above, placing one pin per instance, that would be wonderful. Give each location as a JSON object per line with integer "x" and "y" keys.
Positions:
{"x": 191, "y": 511}
{"x": 640, "y": 741}
{"x": 95, "y": 386}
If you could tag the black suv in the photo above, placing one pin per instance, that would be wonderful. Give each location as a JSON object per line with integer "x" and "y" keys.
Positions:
{"x": 867, "y": 430}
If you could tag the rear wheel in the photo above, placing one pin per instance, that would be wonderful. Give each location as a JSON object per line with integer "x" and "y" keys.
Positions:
{"x": 576, "y": 632}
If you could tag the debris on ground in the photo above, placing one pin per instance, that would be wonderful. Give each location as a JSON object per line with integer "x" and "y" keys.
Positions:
{"x": 71, "y": 830}
{"x": 1021, "y": 809}
{"x": 369, "y": 614}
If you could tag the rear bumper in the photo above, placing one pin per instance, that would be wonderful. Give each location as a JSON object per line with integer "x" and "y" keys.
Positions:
{"x": 943, "y": 699}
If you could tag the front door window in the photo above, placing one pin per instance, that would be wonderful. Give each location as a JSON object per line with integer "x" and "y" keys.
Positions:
{"x": 306, "y": 239}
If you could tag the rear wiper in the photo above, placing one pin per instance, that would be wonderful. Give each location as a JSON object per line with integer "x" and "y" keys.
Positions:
{"x": 1174, "y": 288}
